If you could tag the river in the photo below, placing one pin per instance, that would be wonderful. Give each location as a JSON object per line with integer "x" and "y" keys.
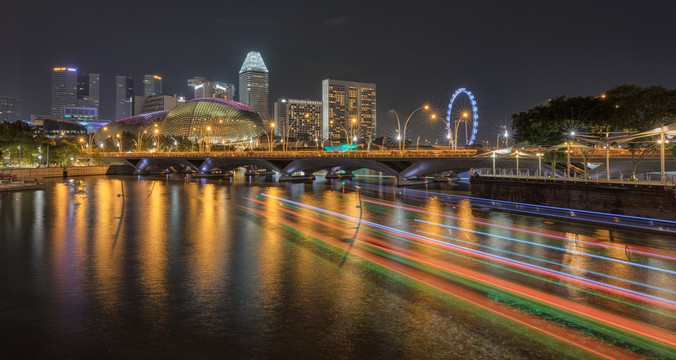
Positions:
{"x": 172, "y": 267}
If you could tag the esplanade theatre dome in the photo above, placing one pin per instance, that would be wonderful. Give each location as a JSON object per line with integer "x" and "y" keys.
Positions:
{"x": 218, "y": 120}
{"x": 132, "y": 125}
{"x": 206, "y": 119}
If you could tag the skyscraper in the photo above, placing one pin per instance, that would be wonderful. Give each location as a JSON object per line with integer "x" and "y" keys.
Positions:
{"x": 302, "y": 119}
{"x": 213, "y": 89}
{"x": 152, "y": 85}
{"x": 64, "y": 89}
{"x": 88, "y": 90}
{"x": 349, "y": 110}
{"x": 254, "y": 84}
{"x": 10, "y": 109}
{"x": 124, "y": 97}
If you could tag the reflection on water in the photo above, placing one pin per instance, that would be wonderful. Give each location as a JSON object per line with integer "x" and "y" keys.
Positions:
{"x": 164, "y": 267}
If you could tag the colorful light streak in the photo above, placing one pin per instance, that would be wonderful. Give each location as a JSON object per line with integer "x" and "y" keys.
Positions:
{"x": 596, "y": 315}
{"x": 553, "y": 211}
{"x": 667, "y": 255}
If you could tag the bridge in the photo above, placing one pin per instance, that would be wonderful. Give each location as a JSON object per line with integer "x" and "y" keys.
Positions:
{"x": 407, "y": 167}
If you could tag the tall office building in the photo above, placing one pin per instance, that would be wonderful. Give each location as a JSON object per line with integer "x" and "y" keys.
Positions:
{"x": 10, "y": 109}
{"x": 302, "y": 118}
{"x": 88, "y": 90}
{"x": 349, "y": 109}
{"x": 152, "y": 85}
{"x": 206, "y": 88}
{"x": 254, "y": 84}
{"x": 124, "y": 97}
{"x": 64, "y": 89}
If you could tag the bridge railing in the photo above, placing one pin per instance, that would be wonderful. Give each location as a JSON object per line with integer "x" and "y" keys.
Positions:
{"x": 299, "y": 154}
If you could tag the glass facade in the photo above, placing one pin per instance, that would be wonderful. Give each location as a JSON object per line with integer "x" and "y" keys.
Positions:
{"x": 64, "y": 89}
{"x": 349, "y": 110}
{"x": 218, "y": 120}
{"x": 254, "y": 84}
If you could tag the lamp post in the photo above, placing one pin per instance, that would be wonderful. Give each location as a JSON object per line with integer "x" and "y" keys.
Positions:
{"x": 465, "y": 115}
{"x": 568, "y": 159}
{"x": 287, "y": 131}
{"x": 493, "y": 156}
{"x": 517, "y": 164}
{"x": 208, "y": 138}
{"x": 157, "y": 138}
{"x": 662, "y": 141}
{"x": 408, "y": 119}
{"x": 119, "y": 142}
{"x": 539, "y": 155}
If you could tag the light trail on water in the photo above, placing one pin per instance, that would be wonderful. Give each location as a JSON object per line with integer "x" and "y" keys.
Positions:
{"x": 641, "y": 335}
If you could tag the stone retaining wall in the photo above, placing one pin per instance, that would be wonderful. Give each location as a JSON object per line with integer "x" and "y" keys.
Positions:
{"x": 45, "y": 172}
{"x": 645, "y": 201}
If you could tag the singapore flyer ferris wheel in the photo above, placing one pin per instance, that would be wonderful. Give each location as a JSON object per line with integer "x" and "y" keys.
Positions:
{"x": 462, "y": 110}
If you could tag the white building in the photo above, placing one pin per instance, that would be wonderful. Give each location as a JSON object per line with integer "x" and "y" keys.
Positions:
{"x": 254, "y": 84}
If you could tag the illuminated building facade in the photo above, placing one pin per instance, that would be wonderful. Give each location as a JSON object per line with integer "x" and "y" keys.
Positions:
{"x": 254, "y": 84}
{"x": 206, "y": 88}
{"x": 148, "y": 104}
{"x": 211, "y": 120}
{"x": 88, "y": 90}
{"x": 124, "y": 97}
{"x": 64, "y": 89}
{"x": 152, "y": 85}
{"x": 348, "y": 110}
{"x": 10, "y": 109}
{"x": 302, "y": 118}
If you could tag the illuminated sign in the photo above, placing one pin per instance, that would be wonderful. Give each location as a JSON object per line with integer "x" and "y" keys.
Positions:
{"x": 70, "y": 68}
{"x": 198, "y": 86}
{"x": 219, "y": 87}
{"x": 59, "y": 69}
{"x": 157, "y": 77}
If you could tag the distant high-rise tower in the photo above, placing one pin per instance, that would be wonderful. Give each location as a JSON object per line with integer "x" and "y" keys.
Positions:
{"x": 64, "y": 89}
{"x": 152, "y": 85}
{"x": 10, "y": 109}
{"x": 213, "y": 89}
{"x": 299, "y": 119}
{"x": 88, "y": 90}
{"x": 254, "y": 84}
{"x": 349, "y": 109}
{"x": 124, "y": 97}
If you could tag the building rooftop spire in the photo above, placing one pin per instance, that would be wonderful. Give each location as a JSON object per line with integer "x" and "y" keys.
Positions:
{"x": 253, "y": 62}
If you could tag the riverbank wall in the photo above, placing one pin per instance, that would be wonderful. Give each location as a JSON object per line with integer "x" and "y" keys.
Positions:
{"x": 651, "y": 201}
{"x": 51, "y": 172}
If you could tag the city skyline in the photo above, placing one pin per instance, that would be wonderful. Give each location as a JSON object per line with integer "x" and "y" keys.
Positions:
{"x": 511, "y": 56}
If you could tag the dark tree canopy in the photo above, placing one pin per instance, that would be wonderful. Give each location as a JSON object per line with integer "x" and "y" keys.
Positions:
{"x": 629, "y": 108}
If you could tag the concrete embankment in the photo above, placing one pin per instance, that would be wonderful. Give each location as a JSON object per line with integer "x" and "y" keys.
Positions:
{"x": 48, "y": 172}
{"x": 655, "y": 201}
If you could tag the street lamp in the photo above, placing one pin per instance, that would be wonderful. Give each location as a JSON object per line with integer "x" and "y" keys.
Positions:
{"x": 119, "y": 142}
{"x": 465, "y": 116}
{"x": 408, "y": 119}
{"x": 493, "y": 156}
{"x": 539, "y": 155}
{"x": 157, "y": 138}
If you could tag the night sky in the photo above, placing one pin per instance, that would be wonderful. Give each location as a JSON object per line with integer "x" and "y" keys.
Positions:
{"x": 511, "y": 54}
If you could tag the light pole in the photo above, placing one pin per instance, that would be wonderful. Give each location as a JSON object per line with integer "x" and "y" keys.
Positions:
{"x": 209, "y": 138}
{"x": 493, "y": 156}
{"x": 517, "y": 164}
{"x": 465, "y": 115}
{"x": 662, "y": 141}
{"x": 568, "y": 159}
{"x": 157, "y": 138}
{"x": 408, "y": 119}
{"x": 539, "y": 155}
{"x": 287, "y": 131}
{"x": 119, "y": 142}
